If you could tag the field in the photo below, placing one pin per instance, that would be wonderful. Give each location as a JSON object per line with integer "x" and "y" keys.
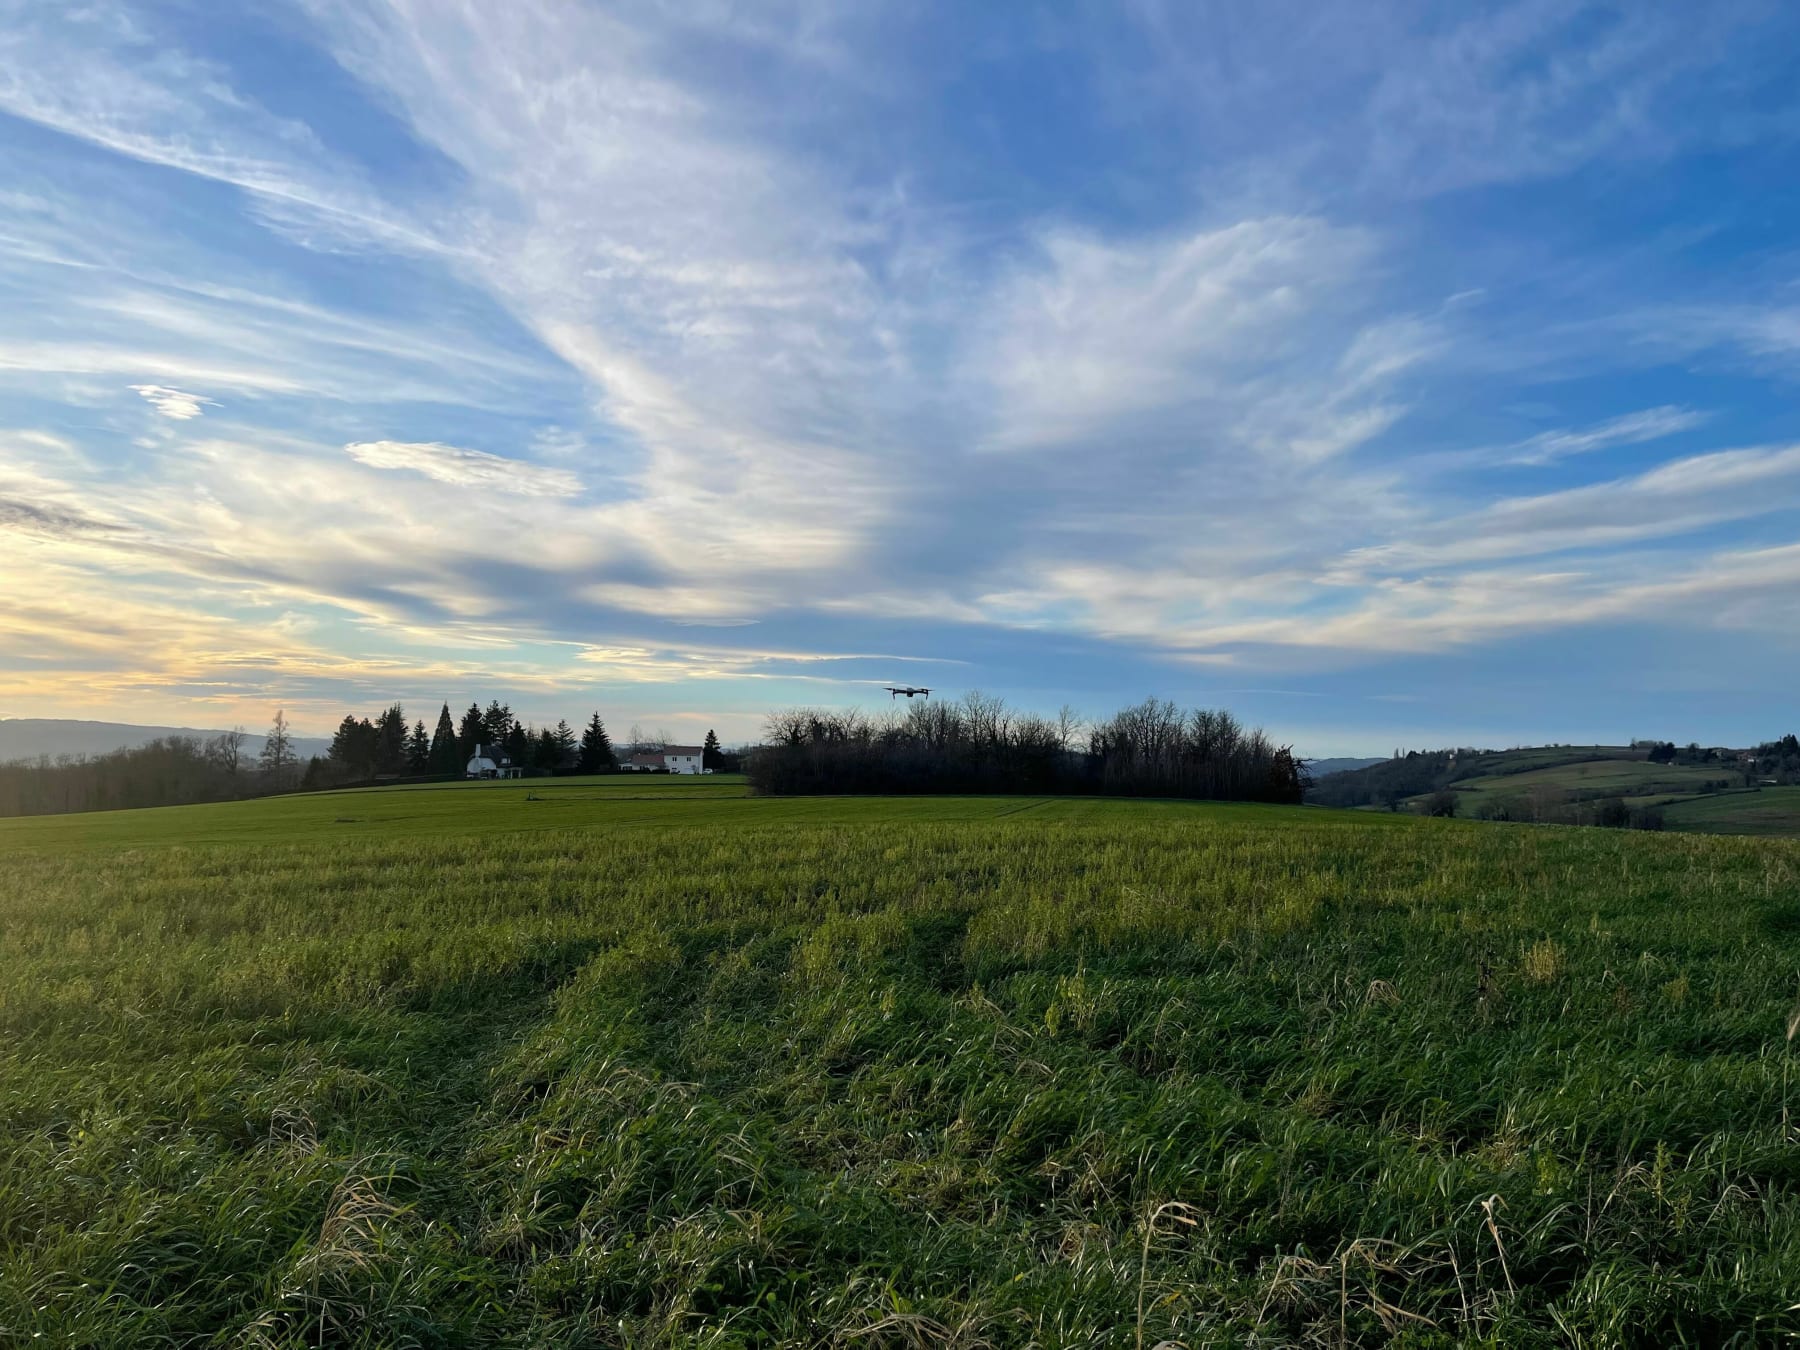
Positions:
{"x": 1539, "y": 782}
{"x": 647, "y": 1062}
{"x": 1767, "y": 811}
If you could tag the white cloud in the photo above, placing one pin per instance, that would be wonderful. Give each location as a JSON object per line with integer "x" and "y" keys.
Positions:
{"x": 466, "y": 468}
{"x": 797, "y": 376}
{"x": 1631, "y": 429}
{"x": 1102, "y": 331}
{"x": 174, "y": 403}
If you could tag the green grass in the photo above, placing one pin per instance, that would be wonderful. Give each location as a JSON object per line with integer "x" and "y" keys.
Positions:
{"x": 1773, "y": 810}
{"x": 1602, "y": 777}
{"x": 629, "y": 1063}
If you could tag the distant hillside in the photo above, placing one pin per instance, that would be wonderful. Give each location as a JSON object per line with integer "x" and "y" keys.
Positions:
{"x": 1647, "y": 785}
{"x": 30, "y": 737}
{"x": 1319, "y": 768}
{"x": 1391, "y": 781}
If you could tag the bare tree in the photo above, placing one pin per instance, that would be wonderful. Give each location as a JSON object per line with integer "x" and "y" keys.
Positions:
{"x": 1068, "y": 726}
{"x": 278, "y": 757}
{"x": 227, "y": 751}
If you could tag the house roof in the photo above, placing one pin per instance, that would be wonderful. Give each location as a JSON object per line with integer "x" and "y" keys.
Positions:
{"x": 684, "y": 749}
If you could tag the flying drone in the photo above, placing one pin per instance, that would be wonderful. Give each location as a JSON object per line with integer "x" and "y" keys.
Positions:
{"x": 894, "y": 691}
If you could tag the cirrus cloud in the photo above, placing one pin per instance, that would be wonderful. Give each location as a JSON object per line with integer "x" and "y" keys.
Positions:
{"x": 466, "y": 468}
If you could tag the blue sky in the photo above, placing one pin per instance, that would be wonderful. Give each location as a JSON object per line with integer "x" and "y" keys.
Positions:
{"x": 1393, "y": 374}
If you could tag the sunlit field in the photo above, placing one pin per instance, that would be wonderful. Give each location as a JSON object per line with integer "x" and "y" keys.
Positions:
{"x": 640, "y": 1062}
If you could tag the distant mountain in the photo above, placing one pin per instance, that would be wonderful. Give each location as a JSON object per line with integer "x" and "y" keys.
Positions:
{"x": 29, "y": 737}
{"x": 1321, "y": 767}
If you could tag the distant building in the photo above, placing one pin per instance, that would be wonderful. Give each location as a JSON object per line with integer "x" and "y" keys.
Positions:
{"x": 496, "y": 763}
{"x": 670, "y": 759}
{"x": 685, "y": 759}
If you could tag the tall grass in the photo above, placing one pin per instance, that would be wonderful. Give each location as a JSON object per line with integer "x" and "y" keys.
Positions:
{"x": 1138, "y": 1075}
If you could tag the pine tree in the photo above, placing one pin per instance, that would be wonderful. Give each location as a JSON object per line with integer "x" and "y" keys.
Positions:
{"x": 545, "y": 751}
{"x": 710, "y": 754}
{"x": 566, "y": 745}
{"x": 390, "y": 728}
{"x": 518, "y": 744}
{"x": 472, "y": 732}
{"x": 497, "y": 721}
{"x": 445, "y": 756}
{"x": 350, "y": 747}
{"x": 596, "y": 748}
{"x": 418, "y": 749}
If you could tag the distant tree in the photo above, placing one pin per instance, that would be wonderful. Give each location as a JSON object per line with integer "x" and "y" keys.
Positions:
{"x": 710, "y": 753}
{"x": 390, "y": 749}
{"x": 355, "y": 747}
{"x": 472, "y": 732}
{"x": 546, "y": 754}
{"x": 518, "y": 744}
{"x": 227, "y": 751}
{"x": 497, "y": 722}
{"x": 1441, "y": 804}
{"x": 418, "y": 749}
{"x": 277, "y": 759}
{"x": 1663, "y": 752}
{"x": 446, "y": 755}
{"x": 596, "y": 755}
{"x": 1612, "y": 813}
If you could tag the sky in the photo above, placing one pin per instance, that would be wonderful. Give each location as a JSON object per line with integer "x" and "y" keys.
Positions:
{"x": 1393, "y": 374}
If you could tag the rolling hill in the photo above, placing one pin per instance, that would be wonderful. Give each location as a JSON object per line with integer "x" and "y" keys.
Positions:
{"x": 31, "y": 737}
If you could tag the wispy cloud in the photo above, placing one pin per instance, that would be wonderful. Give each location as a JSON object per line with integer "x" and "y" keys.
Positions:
{"x": 174, "y": 403}
{"x": 754, "y": 343}
{"x": 1636, "y": 428}
{"x": 466, "y": 468}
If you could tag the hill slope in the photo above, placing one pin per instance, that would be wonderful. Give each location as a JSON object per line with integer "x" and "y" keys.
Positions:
{"x": 1573, "y": 785}
{"x": 30, "y": 737}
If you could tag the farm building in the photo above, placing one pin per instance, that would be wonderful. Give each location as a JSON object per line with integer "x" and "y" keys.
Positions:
{"x": 485, "y": 763}
{"x": 672, "y": 758}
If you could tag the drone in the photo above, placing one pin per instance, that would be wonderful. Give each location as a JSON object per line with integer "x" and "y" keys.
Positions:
{"x": 895, "y": 692}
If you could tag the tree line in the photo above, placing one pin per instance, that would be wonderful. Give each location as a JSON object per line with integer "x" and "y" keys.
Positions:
{"x": 979, "y": 745}
{"x": 386, "y": 747}
{"x": 180, "y": 770}
{"x": 171, "y": 771}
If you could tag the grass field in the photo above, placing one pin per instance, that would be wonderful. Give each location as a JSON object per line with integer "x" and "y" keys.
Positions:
{"x": 1625, "y": 777}
{"x": 640, "y": 1062}
{"x": 1773, "y": 810}
{"x": 1687, "y": 794}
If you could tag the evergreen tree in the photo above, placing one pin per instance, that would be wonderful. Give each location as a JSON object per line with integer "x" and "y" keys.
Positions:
{"x": 518, "y": 744}
{"x": 596, "y": 748}
{"x": 545, "y": 752}
{"x": 418, "y": 749}
{"x": 445, "y": 755}
{"x": 710, "y": 754}
{"x": 566, "y": 745}
{"x": 498, "y": 722}
{"x": 390, "y": 729}
{"x": 472, "y": 732}
{"x": 354, "y": 748}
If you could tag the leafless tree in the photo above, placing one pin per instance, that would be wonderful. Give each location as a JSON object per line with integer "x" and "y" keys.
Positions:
{"x": 278, "y": 758}
{"x": 227, "y": 751}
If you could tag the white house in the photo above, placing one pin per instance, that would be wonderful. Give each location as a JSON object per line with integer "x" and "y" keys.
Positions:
{"x": 672, "y": 758}
{"x": 497, "y": 764}
{"x": 685, "y": 759}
